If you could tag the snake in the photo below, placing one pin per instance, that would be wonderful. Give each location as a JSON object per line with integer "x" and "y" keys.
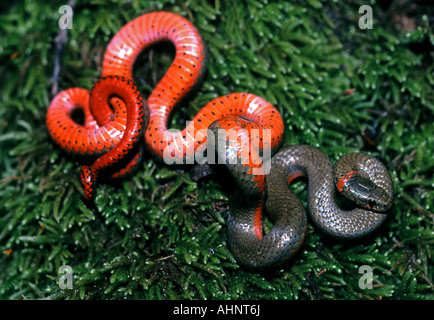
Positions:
{"x": 118, "y": 124}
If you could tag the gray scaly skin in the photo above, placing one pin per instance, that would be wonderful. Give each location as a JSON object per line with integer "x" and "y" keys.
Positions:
{"x": 371, "y": 188}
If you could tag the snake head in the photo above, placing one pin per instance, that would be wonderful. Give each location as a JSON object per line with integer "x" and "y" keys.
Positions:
{"x": 88, "y": 181}
{"x": 364, "y": 192}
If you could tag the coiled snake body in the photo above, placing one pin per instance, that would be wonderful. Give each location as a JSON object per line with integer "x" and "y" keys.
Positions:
{"x": 116, "y": 118}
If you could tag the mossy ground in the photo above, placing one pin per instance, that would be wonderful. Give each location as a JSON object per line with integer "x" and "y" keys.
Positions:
{"x": 158, "y": 234}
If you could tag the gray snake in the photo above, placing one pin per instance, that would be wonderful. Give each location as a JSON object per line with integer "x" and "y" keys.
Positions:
{"x": 360, "y": 177}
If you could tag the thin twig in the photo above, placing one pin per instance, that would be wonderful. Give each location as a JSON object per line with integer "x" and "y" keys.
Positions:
{"x": 60, "y": 40}
{"x": 164, "y": 258}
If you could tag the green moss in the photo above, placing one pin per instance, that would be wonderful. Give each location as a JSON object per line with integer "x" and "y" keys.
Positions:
{"x": 158, "y": 234}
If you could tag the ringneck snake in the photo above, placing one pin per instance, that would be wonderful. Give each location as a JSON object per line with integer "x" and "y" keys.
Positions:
{"x": 119, "y": 123}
